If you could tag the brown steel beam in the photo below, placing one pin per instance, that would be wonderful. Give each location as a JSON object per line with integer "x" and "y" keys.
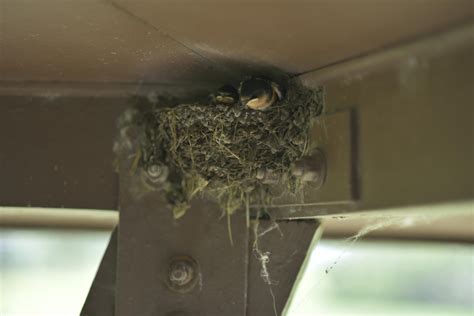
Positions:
{"x": 410, "y": 117}
{"x": 101, "y": 297}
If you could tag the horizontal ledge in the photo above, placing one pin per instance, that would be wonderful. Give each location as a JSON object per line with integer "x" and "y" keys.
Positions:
{"x": 441, "y": 222}
{"x": 440, "y": 209}
{"x": 57, "y": 89}
{"x": 444, "y": 222}
{"x": 58, "y": 217}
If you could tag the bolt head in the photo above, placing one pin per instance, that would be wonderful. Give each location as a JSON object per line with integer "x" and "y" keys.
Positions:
{"x": 154, "y": 176}
{"x": 312, "y": 168}
{"x": 157, "y": 173}
{"x": 180, "y": 273}
{"x": 183, "y": 274}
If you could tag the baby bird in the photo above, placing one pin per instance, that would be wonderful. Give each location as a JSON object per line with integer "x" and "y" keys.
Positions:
{"x": 226, "y": 94}
{"x": 259, "y": 93}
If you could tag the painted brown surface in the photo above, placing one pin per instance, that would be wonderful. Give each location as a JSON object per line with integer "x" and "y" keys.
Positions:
{"x": 87, "y": 41}
{"x": 56, "y": 146}
{"x": 413, "y": 116}
{"x": 415, "y": 127}
{"x": 336, "y": 136}
{"x": 101, "y": 297}
{"x": 296, "y": 36}
{"x": 413, "y": 123}
{"x": 287, "y": 248}
{"x": 179, "y": 41}
{"x": 58, "y": 152}
{"x": 149, "y": 237}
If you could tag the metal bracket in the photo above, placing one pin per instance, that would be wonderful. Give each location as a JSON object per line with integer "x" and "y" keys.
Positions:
{"x": 204, "y": 263}
{"x": 225, "y": 280}
{"x": 336, "y": 136}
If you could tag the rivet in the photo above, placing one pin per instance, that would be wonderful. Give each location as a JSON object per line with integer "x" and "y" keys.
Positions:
{"x": 183, "y": 274}
{"x": 312, "y": 168}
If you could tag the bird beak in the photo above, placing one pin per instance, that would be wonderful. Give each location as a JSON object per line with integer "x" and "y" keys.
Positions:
{"x": 225, "y": 99}
{"x": 260, "y": 103}
{"x": 277, "y": 90}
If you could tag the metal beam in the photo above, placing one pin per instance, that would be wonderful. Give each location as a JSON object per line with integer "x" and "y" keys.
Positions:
{"x": 410, "y": 116}
{"x": 101, "y": 297}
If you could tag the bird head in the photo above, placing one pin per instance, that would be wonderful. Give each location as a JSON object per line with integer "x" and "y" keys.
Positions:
{"x": 259, "y": 93}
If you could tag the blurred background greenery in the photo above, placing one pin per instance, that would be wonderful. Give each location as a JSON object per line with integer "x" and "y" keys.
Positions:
{"x": 49, "y": 271}
{"x": 386, "y": 278}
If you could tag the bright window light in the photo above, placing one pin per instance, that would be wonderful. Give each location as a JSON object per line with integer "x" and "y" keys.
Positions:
{"x": 386, "y": 278}
{"x": 47, "y": 272}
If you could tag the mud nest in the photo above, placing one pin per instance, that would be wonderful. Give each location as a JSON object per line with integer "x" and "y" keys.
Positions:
{"x": 223, "y": 152}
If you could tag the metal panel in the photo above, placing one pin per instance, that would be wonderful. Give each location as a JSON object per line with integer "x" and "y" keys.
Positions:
{"x": 196, "y": 265}
{"x": 176, "y": 41}
{"x": 149, "y": 238}
{"x": 57, "y": 152}
{"x": 336, "y": 136}
{"x": 101, "y": 297}
{"x": 89, "y": 42}
{"x": 415, "y": 124}
{"x": 287, "y": 246}
{"x": 56, "y": 141}
{"x": 413, "y": 129}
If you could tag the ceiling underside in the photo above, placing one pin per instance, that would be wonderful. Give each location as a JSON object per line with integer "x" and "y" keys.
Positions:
{"x": 125, "y": 41}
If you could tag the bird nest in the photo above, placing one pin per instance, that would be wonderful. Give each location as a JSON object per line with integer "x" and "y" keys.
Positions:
{"x": 223, "y": 152}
